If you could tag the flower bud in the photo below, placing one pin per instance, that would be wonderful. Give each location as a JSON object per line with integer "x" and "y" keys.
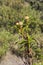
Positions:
{"x": 17, "y": 23}
{"x": 20, "y": 23}
{"x": 26, "y": 17}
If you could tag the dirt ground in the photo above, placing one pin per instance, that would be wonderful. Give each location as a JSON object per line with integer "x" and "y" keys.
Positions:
{"x": 10, "y": 59}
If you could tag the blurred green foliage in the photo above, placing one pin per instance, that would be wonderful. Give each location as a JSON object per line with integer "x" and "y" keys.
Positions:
{"x": 5, "y": 40}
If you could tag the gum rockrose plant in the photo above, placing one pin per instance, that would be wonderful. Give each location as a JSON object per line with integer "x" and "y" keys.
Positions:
{"x": 25, "y": 43}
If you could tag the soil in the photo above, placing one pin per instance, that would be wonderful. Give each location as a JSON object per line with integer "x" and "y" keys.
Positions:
{"x": 10, "y": 59}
